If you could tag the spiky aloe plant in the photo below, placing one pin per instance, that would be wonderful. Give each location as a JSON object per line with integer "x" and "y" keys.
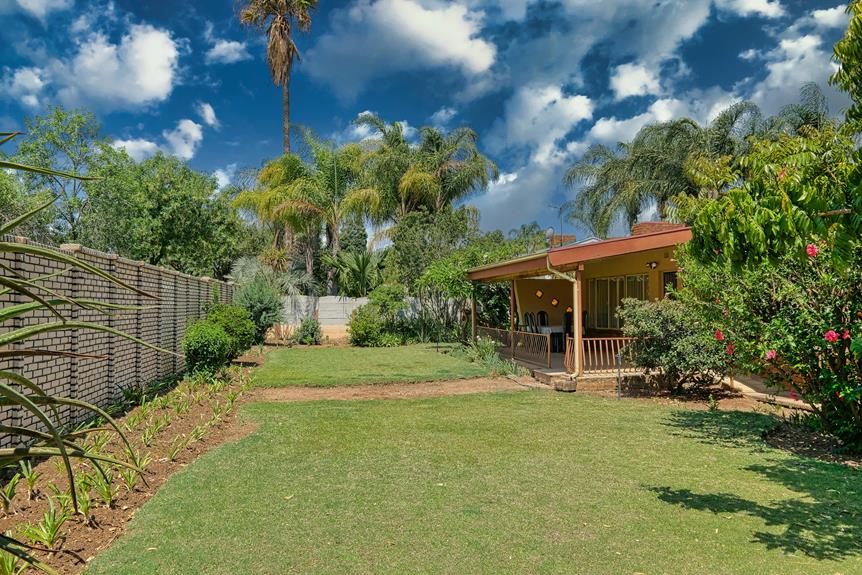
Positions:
{"x": 17, "y": 390}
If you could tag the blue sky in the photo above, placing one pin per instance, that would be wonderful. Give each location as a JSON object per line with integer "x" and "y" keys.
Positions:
{"x": 538, "y": 80}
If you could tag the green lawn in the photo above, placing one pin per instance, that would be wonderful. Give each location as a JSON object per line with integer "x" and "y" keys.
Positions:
{"x": 333, "y": 366}
{"x": 518, "y": 482}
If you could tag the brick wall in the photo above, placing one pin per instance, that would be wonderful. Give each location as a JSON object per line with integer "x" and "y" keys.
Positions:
{"x": 101, "y": 382}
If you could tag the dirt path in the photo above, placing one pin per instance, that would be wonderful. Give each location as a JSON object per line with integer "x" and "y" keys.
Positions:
{"x": 389, "y": 390}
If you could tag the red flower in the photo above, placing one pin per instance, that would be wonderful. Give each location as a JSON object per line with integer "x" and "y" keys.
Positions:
{"x": 831, "y": 336}
{"x": 730, "y": 349}
{"x": 771, "y": 354}
{"x": 846, "y": 334}
{"x": 811, "y": 250}
{"x": 782, "y": 174}
{"x": 793, "y": 395}
{"x": 719, "y": 335}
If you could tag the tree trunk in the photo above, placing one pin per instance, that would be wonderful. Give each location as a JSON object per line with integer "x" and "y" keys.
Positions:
{"x": 285, "y": 93}
{"x": 309, "y": 259}
{"x": 335, "y": 247}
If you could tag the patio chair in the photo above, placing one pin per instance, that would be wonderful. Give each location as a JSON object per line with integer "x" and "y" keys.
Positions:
{"x": 530, "y": 322}
{"x": 543, "y": 318}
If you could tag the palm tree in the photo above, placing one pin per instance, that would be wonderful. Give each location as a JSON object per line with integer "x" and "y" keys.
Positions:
{"x": 358, "y": 272}
{"x": 277, "y": 19}
{"x": 264, "y": 199}
{"x": 454, "y": 162}
{"x": 328, "y": 193}
{"x": 655, "y": 166}
{"x": 385, "y": 165}
{"x": 440, "y": 170}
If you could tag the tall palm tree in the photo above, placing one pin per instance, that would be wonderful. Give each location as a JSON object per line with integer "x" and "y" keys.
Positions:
{"x": 277, "y": 19}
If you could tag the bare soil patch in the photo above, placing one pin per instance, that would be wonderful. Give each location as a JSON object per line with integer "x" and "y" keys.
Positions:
{"x": 387, "y": 390}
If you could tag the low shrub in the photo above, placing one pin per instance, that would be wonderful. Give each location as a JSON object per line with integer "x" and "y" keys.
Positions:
{"x": 484, "y": 352}
{"x": 366, "y": 326}
{"x": 309, "y": 332}
{"x": 236, "y": 322}
{"x": 263, "y": 302}
{"x": 206, "y": 347}
{"x": 672, "y": 341}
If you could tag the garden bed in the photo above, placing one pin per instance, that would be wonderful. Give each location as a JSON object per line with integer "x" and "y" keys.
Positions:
{"x": 192, "y": 430}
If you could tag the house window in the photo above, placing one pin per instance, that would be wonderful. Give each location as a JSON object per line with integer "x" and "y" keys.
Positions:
{"x": 604, "y": 296}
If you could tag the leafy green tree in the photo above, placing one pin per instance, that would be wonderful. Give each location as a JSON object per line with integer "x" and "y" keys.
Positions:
{"x": 421, "y": 238}
{"x": 277, "y": 19}
{"x": 163, "y": 212}
{"x": 793, "y": 191}
{"x": 848, "y": 53}
{"x": 14, "y": 201}
{"x": 354, "y": 237}
{"x": 68, "y": 141}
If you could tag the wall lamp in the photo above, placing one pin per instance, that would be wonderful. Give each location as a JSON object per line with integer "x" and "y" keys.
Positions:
{"x": 652, "y": 265}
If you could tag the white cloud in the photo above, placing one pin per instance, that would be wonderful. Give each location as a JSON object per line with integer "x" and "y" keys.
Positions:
{"x": 183, "y": 141}
{"x": 536, "y": 117}
{"x": 224, "y": 176}
{"x": 443, "y": 116}
{"x": 207, "y": 114}
{"x": 138, "y": 148}
{"x": 765, "y": 8}
{"x": 373, "y": 38}
{"x": 831, "y": 17}
{"x": 41, "y": 8}
{"x": 25, "y": 85}
{"x": 142, "y": 69}
{"x": 227, "y": 52}
{"x": 793, "y": 63}
{"x": 750, "y": 54}
{"x": 634, "y": 80}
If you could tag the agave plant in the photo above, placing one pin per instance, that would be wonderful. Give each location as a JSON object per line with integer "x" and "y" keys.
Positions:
{"x": 52, "y": 440}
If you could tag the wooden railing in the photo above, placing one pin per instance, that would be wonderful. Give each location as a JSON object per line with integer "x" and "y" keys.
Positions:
{"x": 501, "y": 336}
{"x": 570, "y": 355}
{"x": 532, "y": 347}
{"x": 600, "y": 355}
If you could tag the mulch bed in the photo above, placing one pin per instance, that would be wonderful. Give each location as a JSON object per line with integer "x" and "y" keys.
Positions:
{"x": 797, "y": 439}
{"x": 81, "y": 542}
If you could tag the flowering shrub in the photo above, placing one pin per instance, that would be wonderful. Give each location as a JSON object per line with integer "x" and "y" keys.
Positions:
{"x": 682, "y": 350}
{"x": 797, "y": 321}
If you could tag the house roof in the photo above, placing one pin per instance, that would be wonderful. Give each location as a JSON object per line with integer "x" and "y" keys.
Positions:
{"x": 569, "y": 257}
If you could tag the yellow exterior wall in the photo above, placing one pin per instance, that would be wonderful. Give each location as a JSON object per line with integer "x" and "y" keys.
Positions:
{"x": 555, "y": 288}
{"x": 635, "y": 264}
{"x": 628, "y": 265}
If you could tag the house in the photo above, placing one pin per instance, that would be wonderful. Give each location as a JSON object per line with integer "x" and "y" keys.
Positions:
{"x": 586, "y": 280}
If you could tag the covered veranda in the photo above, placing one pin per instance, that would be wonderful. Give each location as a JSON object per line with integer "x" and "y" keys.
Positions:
{"x": 564, "y": 300}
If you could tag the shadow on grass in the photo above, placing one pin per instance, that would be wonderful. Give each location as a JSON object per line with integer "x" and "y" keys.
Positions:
{"x": 824, "y": 519}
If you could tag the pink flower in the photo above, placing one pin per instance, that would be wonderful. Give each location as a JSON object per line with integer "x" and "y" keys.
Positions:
{"x": 831, "y": 336}
{"x": 771, "y": 354}
{"x": 846, "y": 334}
{"x": 811, "y": 250}
{"x": 719, "y": 335}
{"x": 793, "y": 395}
{"x": 730, "y": 349}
